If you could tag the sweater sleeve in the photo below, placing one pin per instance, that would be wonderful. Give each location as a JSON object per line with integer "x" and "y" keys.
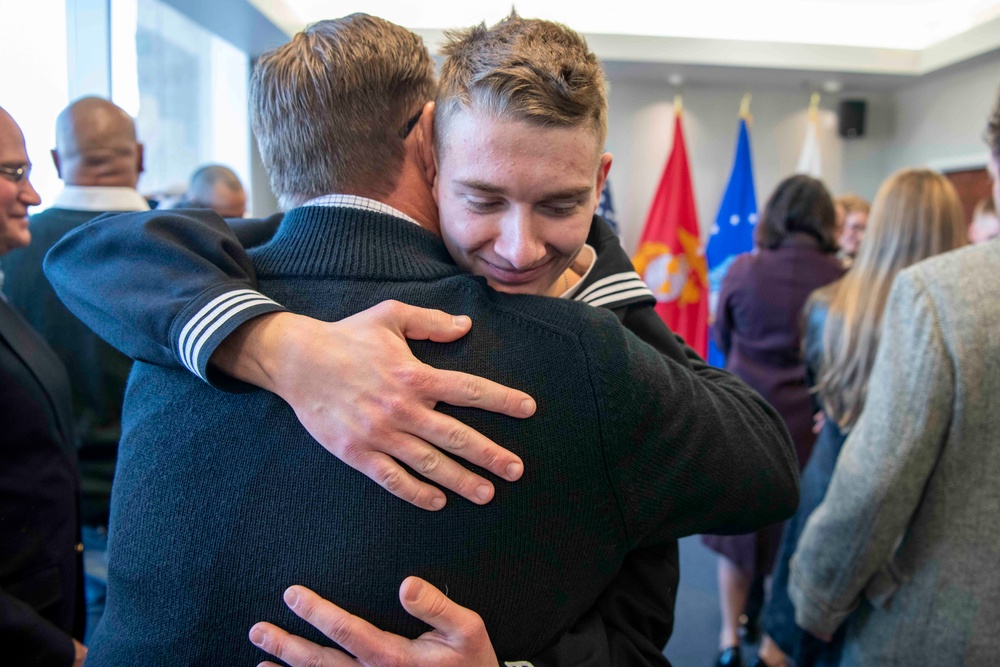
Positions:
{"x": 883, "y": 468}
{"x": 686, "y": 451}
{"x": 29, "y": 639}
{"x": 164, "y": 288}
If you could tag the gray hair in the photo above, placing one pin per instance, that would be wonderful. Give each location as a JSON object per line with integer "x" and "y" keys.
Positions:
{"x": 329, "y": 107}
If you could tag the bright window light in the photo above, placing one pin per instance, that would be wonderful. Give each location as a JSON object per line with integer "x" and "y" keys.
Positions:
{"x": 33, "y": 80}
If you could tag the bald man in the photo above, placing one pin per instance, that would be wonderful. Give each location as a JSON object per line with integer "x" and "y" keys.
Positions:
{"x": 99, "y": 160}
{"x": 41, "y": 596}
{"x": 218, "y": 188}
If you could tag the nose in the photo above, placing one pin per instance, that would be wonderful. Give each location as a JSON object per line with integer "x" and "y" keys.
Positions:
{"x": 519, "y": 238}
{"x": 29, "y": 196}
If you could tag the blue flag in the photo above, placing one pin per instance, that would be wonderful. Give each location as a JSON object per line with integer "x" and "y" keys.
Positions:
{"x": 732, "y": 233}
{"x": 606, "y": 208}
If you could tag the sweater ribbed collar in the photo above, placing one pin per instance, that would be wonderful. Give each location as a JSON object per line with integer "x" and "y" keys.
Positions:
{"x": 352, "y": 243}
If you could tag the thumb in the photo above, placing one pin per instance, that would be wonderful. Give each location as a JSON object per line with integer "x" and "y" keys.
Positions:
{"x": 422, "y": 600}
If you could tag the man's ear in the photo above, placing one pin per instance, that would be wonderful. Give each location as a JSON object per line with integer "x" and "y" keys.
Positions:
{"x": 428, "y": 155}
{"x": 602, "y": 173}
{"x": 55, "y": 161}
{"x": 139, "y": 164}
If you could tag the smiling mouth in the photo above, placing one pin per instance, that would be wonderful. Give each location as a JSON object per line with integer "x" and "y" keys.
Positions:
{"x": 515, "y": 276}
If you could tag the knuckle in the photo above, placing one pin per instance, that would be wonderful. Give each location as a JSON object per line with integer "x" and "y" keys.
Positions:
{"x": 397, "y": 406}
{"x": 273, "y": 645}
{"x": 389, "y": 658}
{"x": 490, "y": 458}
{"x": 389, "y": 307}
{"x": 312, "y": 659}
{"x": 429, "y": 462}
{"x": 473, "y": 388}
{"x": 438, "y": 605}
{"x": 338, "y": 629}
{"x": 457, "y": 438}
{"x": 391, "y": 478}
{"x": 413, "y": 376}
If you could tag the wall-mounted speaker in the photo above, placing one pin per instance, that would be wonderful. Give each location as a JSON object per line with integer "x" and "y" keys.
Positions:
{"x": 852, "y": 118}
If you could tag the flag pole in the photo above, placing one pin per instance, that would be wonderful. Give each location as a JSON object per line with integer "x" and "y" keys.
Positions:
{"x": 745, "y": 107}
{"x": 678, "y": 105}
{"x": 814, "y": 107}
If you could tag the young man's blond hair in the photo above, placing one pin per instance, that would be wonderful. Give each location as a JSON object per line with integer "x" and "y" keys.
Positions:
{"x": 528, "y": 70}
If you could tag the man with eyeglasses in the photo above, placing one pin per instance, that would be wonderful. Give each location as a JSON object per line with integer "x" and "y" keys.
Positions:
{"x": 41, "y": 595}
{"x": 99, "y": 160}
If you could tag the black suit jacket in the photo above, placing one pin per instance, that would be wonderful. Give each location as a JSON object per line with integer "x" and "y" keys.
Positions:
{"x": 41, "y": 569}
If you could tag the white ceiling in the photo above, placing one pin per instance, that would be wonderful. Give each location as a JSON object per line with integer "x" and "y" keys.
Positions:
{"x": 888, "y": 24}
{"x": 879, "y": 37}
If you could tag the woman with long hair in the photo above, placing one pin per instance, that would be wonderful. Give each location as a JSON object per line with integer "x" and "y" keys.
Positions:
{"x": 757, "y": 326}
{"x": 916, "y": 215}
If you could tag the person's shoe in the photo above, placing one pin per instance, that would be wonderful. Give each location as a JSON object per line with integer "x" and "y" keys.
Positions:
{"x": 729, "y": 657}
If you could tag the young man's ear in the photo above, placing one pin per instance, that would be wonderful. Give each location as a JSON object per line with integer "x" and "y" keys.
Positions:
{"x": 55, "y": 161}
{"x": 602, "y": 173}
{"x": 140, "y": 165}
{"x": 425, "y": 127}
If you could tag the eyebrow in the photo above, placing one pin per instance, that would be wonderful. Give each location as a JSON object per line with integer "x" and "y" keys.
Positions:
{"x": 483, "y": 186}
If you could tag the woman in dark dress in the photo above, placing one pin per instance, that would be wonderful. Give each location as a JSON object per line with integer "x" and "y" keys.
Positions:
{"x": 916, "y": 215}
{"x": 757, "y": 326}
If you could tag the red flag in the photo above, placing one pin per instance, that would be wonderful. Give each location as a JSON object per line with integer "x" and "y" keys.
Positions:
{"x": 670, "y": 257}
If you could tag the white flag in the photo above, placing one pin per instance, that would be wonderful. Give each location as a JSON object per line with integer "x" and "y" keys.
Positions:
{"x": 809, "y": 161}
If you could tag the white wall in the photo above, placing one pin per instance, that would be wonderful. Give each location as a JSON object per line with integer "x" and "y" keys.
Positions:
{"x": 640, "y": 135}
{"x": 935, "y": 121}
{"x": 941, "y": 118}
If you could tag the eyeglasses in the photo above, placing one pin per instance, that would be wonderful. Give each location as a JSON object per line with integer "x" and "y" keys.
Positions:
{"x": 410, "y": 124}
{"x": 15, "y": 174}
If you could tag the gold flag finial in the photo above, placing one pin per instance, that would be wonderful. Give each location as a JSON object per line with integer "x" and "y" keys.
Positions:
{"x": 814, "y": 107}
{"x": 745, "y": 107}
{"x": 678, "y": 105}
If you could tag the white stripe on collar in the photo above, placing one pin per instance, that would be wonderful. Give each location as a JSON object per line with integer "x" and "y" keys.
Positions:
{"x": 100, "y": 198}
{"x": 624, "y": 285}
{"x": 363, "y": 203}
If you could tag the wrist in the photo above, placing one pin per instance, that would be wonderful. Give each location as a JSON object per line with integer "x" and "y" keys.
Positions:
{"x": 252, "y": 352}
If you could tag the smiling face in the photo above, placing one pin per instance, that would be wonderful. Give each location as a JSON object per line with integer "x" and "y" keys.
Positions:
{"x": 516, "y": 200}
{"x": 15, "y": 196}
{"x": 853, "y": 232}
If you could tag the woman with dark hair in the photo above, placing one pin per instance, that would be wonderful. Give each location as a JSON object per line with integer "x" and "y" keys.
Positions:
{"x": 916, "y": 215}
{"x": 757, "y": 326}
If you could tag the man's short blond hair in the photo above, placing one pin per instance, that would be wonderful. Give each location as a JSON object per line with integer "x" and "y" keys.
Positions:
{"x": 329, "y": 108}
{"x": 528, "y": 70}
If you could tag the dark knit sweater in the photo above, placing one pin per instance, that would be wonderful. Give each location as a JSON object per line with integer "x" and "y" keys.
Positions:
{"x": 223, "y": 500}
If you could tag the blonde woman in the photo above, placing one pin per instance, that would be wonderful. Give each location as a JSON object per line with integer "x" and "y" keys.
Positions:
{"x": 916, "y": 215}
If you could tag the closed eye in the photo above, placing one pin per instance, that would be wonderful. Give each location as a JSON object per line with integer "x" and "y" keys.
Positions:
{"x": 477, "y": 206}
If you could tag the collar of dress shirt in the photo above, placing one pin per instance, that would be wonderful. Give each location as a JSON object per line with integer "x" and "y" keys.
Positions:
{"x": 354, "y": 201}
{"x": 100, "y": 198}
